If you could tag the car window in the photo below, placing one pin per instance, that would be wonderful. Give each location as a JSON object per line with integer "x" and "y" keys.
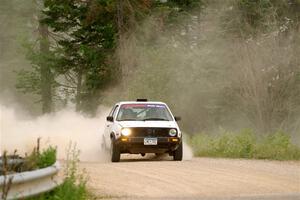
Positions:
{"x": 143, "y": 112}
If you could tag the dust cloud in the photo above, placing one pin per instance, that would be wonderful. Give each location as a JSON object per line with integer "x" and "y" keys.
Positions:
{"x": 20, "y": 132}
{"x": 187, "y": 152}
{"x": 58, "y": 129}
{"x": 214, "y": 79}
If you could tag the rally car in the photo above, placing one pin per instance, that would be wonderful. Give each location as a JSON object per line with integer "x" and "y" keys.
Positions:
{"x": 140, "y": 127}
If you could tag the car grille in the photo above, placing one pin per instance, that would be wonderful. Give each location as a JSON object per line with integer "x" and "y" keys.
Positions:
{"x": 150, "y": 132}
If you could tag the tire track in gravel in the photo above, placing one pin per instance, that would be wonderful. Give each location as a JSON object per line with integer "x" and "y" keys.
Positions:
{"x": 199, "y": 178}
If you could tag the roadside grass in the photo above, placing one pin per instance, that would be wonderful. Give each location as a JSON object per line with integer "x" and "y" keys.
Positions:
{"x": 74, "y": 186}
{"x": 35, "y": 160}
{"x": 11, "y": 164}
{"x": 74, "y": 183}
{"x": 245, "y": 144}
{"x": 38, "y": 160}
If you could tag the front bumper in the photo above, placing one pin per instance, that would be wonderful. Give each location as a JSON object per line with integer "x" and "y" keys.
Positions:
{"x": 135, "y": 145}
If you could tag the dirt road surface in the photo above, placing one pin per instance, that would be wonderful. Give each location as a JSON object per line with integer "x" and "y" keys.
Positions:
{"x": 198, "y": 178}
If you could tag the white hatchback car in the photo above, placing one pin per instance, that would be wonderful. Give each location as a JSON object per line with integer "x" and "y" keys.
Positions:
{"x": 140, "y": 127}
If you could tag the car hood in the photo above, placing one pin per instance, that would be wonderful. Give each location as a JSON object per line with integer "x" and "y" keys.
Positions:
{"x": 155, "y": 124}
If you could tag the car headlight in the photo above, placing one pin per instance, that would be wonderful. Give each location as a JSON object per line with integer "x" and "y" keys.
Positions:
{"x": 172, "y": 132}
{"x": 126, "y": 131}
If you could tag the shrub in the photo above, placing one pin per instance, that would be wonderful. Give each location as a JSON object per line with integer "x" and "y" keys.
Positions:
{"x": 245, "y": 144}
{"x": 37, "y": 159}
{"x": 30, "y": 162}
{"x": 74, "y": 184}
{"x": 277, "y": 146}
{"x": 47, "y": 157}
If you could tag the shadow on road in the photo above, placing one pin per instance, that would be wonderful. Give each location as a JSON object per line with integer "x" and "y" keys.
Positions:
{"x": 146, "y": 158}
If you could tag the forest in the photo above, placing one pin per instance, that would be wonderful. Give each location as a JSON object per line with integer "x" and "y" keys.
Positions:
{"x": 220, "y": 65}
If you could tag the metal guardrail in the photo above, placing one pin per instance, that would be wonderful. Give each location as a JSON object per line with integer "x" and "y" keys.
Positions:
{"x": 31, "y": 183}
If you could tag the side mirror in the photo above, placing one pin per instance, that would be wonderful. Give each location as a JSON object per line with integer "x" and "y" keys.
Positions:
{"x": 110, "y": 118}
{"x": 177, "y": 118}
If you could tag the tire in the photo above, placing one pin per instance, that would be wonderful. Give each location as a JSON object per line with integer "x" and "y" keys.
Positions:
{"x": 177, "y": 154}
{"x": 115, "y": 152}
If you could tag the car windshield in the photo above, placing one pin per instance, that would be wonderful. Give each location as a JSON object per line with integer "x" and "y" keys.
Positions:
{"x": 144, "y": 112}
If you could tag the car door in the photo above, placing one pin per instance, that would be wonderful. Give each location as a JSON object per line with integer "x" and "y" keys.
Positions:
{"x": 109, "y": 126}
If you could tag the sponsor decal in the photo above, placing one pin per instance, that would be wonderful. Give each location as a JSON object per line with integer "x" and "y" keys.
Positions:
{"x": 143, "y": 106}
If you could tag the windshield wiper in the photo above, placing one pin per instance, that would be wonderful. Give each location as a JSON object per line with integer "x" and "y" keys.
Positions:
{"x": 155, "y": 119}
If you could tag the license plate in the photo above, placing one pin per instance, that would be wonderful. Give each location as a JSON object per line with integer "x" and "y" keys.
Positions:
{"x": 150, "y": 141}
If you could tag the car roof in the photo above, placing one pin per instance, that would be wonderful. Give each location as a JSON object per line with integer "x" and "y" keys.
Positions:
{"x": 141, "y": 102}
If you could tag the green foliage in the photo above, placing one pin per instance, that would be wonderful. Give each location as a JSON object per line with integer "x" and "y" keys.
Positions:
{"x": 28, "y": 81}
{"x": 245, "y": 144}
{"x": 277, "y": 146}
{"x": 70, "y": 189}
{"x": 37, "y": 160}
{"x": 74, "y": 184}
{"x": 40, "y": 79}
{"x": 178, "y": 13}
{"x": 183, "y": 5}
{"x": 86, "y": 41}
{"x": 254, "y": 12}
{"x": 88, "y": 33}
{"x": 251, "y": 17}
{"x": 47, "y": 157}
{"x": 178, "y": 54}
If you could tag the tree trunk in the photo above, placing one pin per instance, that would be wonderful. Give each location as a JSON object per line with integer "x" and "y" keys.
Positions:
{"x": 46, "y": 76}
{"x": 78, "y": 90}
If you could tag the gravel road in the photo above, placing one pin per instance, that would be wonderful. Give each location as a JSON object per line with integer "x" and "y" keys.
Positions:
{"x": 198, "y": 178}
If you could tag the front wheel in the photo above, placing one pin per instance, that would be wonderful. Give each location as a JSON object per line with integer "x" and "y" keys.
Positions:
{"x": 177, "y": 154}
{"x": 115, "y": 152}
